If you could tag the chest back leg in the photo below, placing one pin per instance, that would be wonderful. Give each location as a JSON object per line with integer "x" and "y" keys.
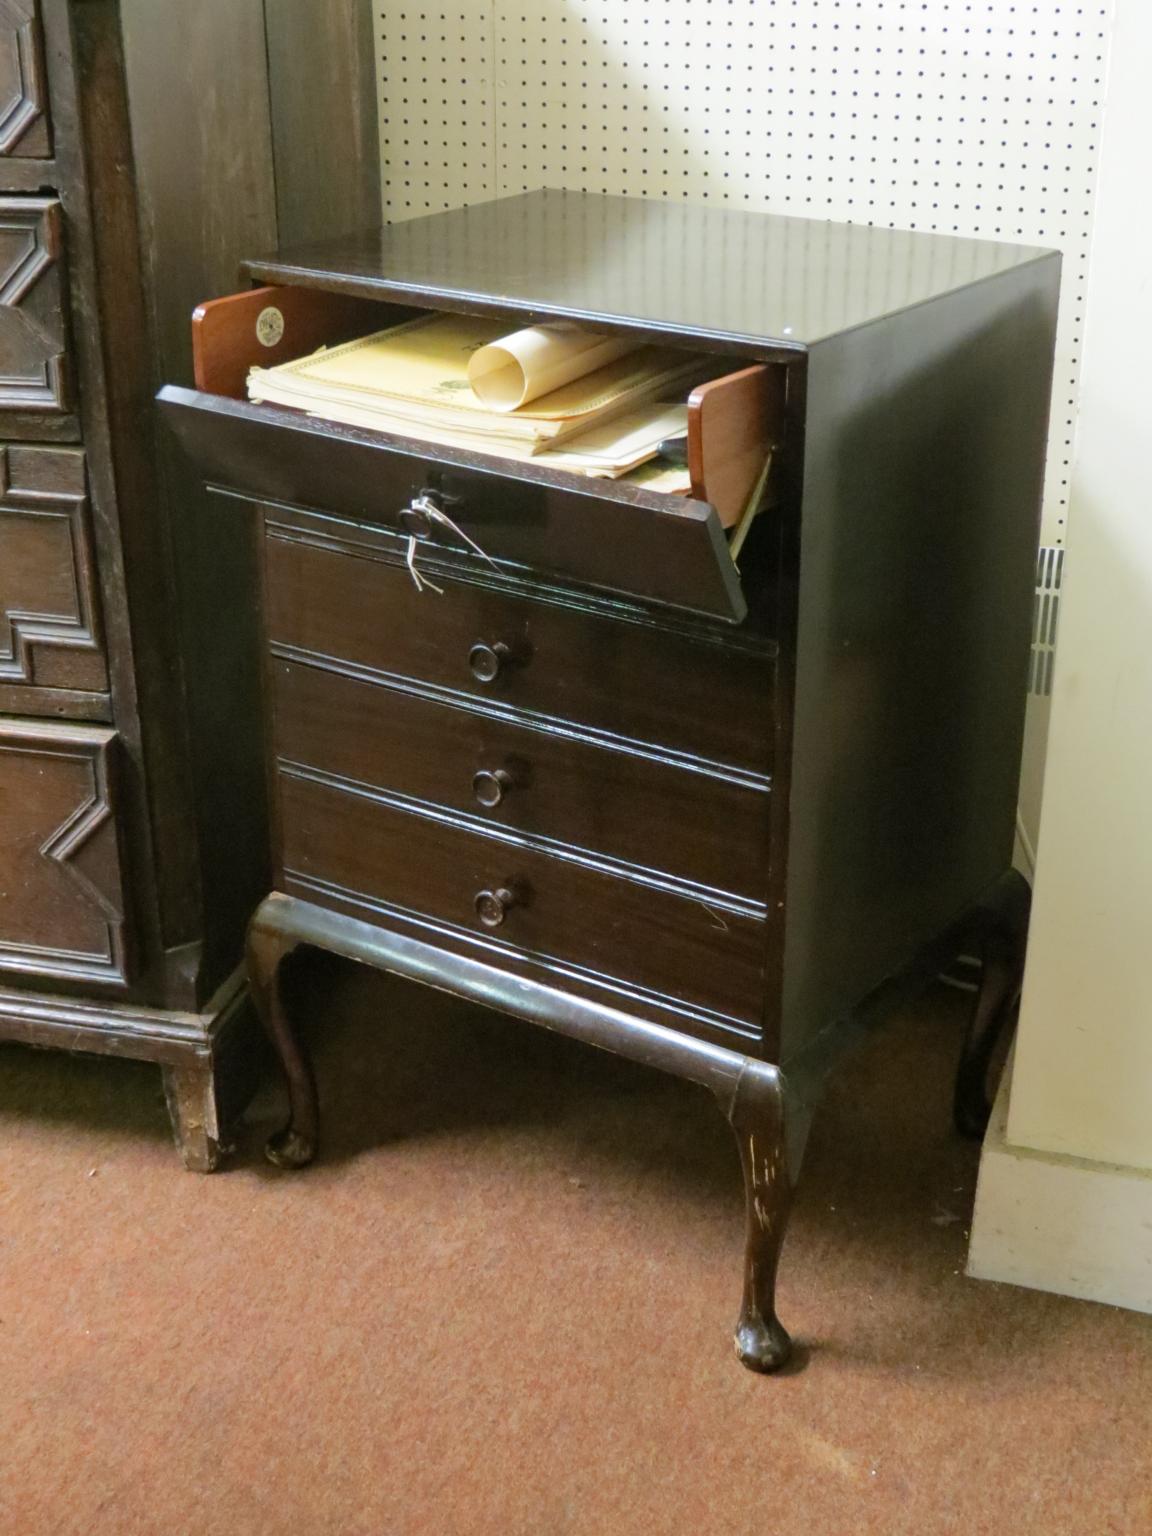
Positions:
{"x": 1000, "y": 935}
{"x": 269, "y": 945}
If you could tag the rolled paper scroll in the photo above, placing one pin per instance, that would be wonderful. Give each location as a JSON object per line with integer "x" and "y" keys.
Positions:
{"x": 508, "y": 373}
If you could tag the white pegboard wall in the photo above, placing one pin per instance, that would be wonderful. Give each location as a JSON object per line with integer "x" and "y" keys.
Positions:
{"x": 974, "y": 117}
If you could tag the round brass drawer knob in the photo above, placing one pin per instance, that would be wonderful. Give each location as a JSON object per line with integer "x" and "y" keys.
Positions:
{"x": 486, "y": 662}
{"x": 489, "y": 786}
{"x": 492, "y": 906}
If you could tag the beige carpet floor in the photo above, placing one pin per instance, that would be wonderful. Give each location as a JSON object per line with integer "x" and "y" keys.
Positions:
{"x": 500, "y": 1306}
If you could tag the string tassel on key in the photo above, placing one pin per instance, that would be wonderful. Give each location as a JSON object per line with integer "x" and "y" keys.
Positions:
{"x": 425, "y": 506}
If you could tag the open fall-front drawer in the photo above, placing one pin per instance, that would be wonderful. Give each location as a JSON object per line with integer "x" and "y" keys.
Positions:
{"x": 604, "y": 533}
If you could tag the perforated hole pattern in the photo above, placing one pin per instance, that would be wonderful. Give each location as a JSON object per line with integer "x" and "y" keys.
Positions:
{"x": 971, "y": 118}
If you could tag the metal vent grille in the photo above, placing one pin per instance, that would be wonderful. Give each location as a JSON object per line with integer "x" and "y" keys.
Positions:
{"x": 1045, "y": 612}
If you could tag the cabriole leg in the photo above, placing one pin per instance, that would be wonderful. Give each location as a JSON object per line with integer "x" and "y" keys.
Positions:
{"x": 755, "y": 1110}
{"x": 1001, "y": 936}
{"x": 268, "y": 947}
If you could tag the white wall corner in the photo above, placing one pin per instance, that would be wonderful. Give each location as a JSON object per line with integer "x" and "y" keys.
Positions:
{"x": 1036, "y": 720}
{"x": 1062, "y": 1224}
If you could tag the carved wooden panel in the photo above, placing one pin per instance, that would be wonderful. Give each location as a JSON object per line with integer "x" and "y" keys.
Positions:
{"x": 49, "y": 621}
{"x": 33, "y": 327}
{"x": 23, "y": 88}
{"x": 61, "y": 893}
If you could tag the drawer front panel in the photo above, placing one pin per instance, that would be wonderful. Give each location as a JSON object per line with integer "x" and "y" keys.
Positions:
{"x": 695, "y": 826}
{"x": 629, "y": 680}
{"x": 33, "y": 324}
{"x": 23, "y": 86}
{"x": 49, "y": 625}
{"x": 664, "y": 549}
{"x": 709, "y": 957}
{"x": 61, "y": 892}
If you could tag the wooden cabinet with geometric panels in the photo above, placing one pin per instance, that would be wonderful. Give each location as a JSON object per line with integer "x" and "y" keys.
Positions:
{"x": 49, "y": 622}
{"x": 130, "y": 857}
{"x": 24, "y": 127}
{"x": 61, "y": 895}
{"x": 34, "y": 377}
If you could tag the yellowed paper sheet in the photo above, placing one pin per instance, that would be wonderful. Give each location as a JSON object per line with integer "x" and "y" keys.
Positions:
{"x": 517, "y": 369}
{"x": 419, "y": 371}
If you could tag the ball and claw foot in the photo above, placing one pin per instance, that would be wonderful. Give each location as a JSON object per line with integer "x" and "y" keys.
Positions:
{"x": 290, "y": 1149}
{"x": 762, "y": 1345}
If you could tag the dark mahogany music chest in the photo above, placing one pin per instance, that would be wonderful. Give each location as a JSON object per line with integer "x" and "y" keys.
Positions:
{"x": 610, "y": 780}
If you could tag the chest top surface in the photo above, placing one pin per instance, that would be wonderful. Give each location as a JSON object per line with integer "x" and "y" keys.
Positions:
{"x": 751, "y": 279}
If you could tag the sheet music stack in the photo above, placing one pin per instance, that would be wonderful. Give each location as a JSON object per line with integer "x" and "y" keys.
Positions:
{"x": 588, "y": 403}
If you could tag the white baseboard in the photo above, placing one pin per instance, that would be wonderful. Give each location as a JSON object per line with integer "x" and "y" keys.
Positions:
{"x": 1061, "y": 1224}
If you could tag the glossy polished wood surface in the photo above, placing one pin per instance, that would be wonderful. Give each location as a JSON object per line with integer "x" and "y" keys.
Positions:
{"x": 605, "y": 532}
{"x": 722, "y": 275}
{"x": 361, "y": 845}
{"x": 267, "y": 326}
{"x": 599, "y": 775}
{"x": 337, "y": 591}
{"x": 496, "y": 773}
{"x": 923, "y": 475}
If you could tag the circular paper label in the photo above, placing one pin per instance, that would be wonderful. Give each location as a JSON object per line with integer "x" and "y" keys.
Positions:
{"x": 269, "y": 326}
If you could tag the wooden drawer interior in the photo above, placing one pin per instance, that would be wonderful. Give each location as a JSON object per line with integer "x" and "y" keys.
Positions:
{"x": 669, "y": 549}
{"x": 732, "y": 418}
